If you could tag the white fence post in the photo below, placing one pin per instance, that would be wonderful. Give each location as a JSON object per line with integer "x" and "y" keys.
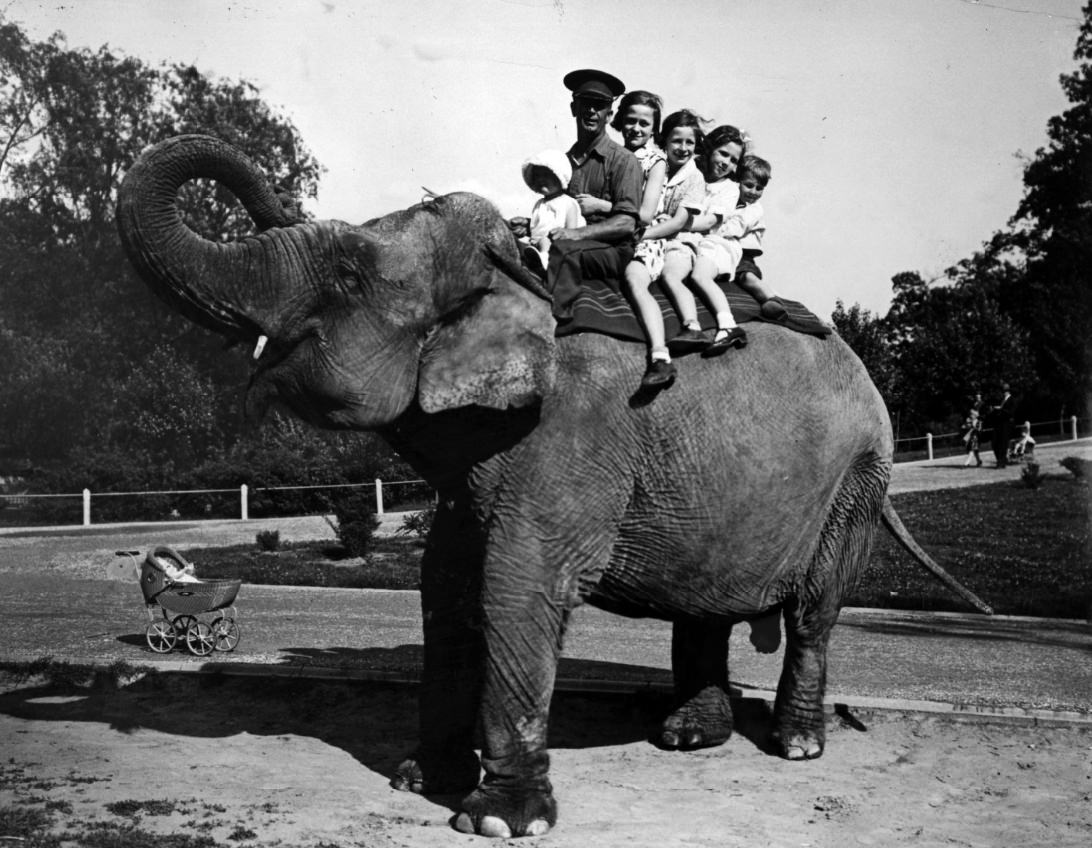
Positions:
{"x": 378, "y": 496}
{"x": 244, "y": 503}
{"x": 929, "y": 444}
{"x": 1073, "y": 427}
{"x": 86, "y": 507}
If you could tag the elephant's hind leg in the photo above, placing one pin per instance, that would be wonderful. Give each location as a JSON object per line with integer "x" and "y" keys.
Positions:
{"x": 702, "y": 715}
{"x": 799, "y": 723}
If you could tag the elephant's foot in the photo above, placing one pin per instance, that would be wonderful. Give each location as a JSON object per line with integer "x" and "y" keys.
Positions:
{"x": 702, "y": 722}
{"x": 504, "y": 812}
{"x": 799, "y": 743}
{"x": 428, "y": 774}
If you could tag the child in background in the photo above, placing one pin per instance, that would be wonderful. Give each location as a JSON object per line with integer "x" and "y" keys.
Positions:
{"x": 972, "y": 430}
{"x": 721, "y": 154}
{"x": 548, "y": 173}
{"x": 680, "y": 199}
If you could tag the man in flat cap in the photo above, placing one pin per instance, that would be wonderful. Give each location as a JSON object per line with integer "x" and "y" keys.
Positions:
{"x": 601, "y": 169}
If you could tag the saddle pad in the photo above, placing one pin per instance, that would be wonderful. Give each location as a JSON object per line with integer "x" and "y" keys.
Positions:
{"x": 602, "y": 308}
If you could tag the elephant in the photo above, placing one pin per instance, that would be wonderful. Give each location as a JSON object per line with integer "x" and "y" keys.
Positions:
{"x": 751, "y": 487}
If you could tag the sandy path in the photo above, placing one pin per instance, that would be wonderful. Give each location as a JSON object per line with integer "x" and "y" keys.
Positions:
{"x": 299, "y": 763}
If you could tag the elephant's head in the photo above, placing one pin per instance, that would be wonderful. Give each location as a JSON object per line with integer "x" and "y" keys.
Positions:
{"x": 349, "y": 325}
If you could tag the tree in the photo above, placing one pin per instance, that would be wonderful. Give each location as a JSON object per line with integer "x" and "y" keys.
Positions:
{"x": 71, "y": 121}
{"x": 1053, "y": 227}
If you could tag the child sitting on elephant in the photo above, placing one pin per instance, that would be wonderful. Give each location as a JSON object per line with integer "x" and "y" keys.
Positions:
{"x": 548, "y": 173}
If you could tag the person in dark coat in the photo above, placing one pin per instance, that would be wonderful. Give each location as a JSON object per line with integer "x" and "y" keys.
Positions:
{"x": 1001, "y": 419}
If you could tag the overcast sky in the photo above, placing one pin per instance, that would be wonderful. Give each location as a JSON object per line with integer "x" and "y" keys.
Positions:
{"x": 893, "y": 126}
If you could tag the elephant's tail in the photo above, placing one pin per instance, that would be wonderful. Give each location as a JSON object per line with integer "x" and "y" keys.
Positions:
{"x": 893, "y": 523}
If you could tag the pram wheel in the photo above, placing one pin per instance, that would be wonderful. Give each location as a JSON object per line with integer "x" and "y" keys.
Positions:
{"x": 161, "y": 636}
{"x": 182, "y": 624}
{"x": 199, "y": 639}
{"x": 225, "y": 634}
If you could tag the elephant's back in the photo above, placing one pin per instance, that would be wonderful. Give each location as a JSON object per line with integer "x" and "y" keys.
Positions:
{"x": 783, "y": 389}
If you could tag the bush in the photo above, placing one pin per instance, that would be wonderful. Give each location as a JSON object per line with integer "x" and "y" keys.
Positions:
{"x": 1079, "y": 468}
{"x": 354, "y": 521}
{"x": 418, "y": 523}
{"x": 268, "y": 540}
{"x": 1030, "y": 476}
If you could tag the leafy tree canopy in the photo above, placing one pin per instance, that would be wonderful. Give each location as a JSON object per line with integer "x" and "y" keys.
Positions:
{"x": 93, "y": 362}
{"x": 1018, "y": 311}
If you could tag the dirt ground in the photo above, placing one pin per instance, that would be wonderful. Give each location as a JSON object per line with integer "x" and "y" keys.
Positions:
{"x": 275, "y": 762}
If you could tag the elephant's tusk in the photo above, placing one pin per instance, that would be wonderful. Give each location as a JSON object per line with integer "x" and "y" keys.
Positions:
{"x": 260, "y": 346}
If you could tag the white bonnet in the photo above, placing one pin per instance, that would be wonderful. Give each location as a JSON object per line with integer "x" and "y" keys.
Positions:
{"x": 555, "y": 160}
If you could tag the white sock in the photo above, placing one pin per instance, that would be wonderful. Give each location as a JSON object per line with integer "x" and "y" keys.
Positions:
{"x": 725, "y": 320}
{"x": 661, "y": 354}
{"x": 694, "y": 325}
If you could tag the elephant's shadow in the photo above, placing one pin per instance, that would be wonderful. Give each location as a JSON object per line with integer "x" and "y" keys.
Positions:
{"x": 374, "y": 722}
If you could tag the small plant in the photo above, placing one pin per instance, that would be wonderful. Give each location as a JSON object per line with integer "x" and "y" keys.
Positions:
{"x": 1079, "y": 468}
{"x": 418, "y": 523}
{"x": 268, "y": 540}
{"x": 1030, "y": 476}
{"x": 354, "y": 522}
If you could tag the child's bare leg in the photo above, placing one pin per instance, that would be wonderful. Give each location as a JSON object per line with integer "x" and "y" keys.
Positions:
{"x": 660, "y": 370}
{"x": 767, "y": 296}
{"x": 755, "y": 287}
{"x": 703, "y": 278}
{"x": 677, "y": 265}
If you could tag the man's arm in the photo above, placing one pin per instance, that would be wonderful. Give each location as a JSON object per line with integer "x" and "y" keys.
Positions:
{"x": 616, "y": 228}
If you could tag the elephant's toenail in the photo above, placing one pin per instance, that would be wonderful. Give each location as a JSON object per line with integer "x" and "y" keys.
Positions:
{"x": 537, "y": 828}
{"x": 463, "y": 824}
{"x": 492, "y": 826}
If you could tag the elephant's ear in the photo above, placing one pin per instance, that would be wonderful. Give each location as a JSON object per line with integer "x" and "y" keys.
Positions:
{"x": 496, "y": 350}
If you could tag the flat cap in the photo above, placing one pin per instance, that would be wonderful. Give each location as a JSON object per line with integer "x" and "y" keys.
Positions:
{"x": 594, "y": 85}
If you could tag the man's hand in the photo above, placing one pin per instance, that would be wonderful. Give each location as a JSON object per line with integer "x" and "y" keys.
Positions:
{"x": 562, "y": 234}
{"x": 520, "y": 227}
{"x": 592, "y": 205}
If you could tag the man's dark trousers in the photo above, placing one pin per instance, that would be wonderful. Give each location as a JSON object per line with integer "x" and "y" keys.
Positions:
{"x": 576, "y": 260}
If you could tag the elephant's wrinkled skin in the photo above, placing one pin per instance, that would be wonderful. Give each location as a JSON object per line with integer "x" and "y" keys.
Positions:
{"x": 753, "y": 485}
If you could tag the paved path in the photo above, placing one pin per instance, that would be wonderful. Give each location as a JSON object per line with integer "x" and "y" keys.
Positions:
{"x": 1021, "y": 667}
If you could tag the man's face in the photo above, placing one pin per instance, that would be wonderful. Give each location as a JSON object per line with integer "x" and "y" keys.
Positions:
{"x": 592, "y": 115}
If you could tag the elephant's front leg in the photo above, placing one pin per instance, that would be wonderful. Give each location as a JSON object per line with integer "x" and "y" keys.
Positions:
{"x": 702, "y": 715}
{"x": 445, "y": 760}
{"x": 524, "y": 624}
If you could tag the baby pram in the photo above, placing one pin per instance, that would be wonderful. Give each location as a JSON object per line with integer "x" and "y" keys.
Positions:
{"x": 199, "y": 614}
{"x": 1023, "y": 447}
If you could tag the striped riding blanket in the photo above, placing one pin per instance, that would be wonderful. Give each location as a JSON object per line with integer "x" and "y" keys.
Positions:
{"x": 602, "y": 308}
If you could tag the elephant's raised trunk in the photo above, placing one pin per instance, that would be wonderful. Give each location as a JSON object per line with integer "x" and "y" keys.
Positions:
{"x": 187, "y": 270}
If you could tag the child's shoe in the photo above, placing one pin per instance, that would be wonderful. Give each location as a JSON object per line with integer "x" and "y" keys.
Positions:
{"x": 724, "y": 339}
{"x": 688, "y": 341}
{"x": 659, "y": 374}
{"x": 532, "y": 260}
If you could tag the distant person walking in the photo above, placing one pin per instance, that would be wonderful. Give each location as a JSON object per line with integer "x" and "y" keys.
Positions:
{"x": 1001, "y": 420}
{"x": 972, "y": 430}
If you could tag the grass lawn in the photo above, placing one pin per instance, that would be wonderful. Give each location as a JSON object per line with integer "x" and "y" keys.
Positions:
{"x": 1024, "y": 551}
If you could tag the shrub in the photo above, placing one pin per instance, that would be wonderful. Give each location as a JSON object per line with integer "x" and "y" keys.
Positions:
{"x": 354, "y": 521}
{"x": 268, "y": 540}
{"x": 1079, "y": 468}
{"x": 1030, "y": 476}
{"x": 418, "y": 523}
